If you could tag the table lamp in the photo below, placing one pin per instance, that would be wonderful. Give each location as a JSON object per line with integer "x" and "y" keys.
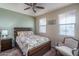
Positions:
{"x": 4, "y": 33}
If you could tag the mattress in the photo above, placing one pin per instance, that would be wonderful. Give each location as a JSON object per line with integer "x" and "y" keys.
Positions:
{"x": 27, "y": 43}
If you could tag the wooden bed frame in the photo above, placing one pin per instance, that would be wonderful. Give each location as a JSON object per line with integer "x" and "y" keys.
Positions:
{"x": 37, "y": 51}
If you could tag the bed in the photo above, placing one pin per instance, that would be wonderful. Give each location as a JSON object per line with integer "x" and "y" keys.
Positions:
{"x": 38, "y": 49}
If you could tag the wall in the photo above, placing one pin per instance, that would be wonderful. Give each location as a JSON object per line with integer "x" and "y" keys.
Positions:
{"x": 10, "y": 19}
{"x": 53, "y": 30}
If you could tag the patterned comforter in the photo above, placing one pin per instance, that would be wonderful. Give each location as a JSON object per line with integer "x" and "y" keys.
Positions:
{"x": 28, "y": 42}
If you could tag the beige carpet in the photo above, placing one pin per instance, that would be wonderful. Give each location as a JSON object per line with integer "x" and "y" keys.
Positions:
{"x": 50, "y": 53}
{"x": 16, "y": 52}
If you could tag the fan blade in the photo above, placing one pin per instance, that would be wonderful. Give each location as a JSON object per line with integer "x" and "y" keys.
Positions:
{"x": 34, "y": 4}
{"x": 34, "y": 10}
{"x": 39, "y": 7}
{"x": 29, "y": 4}
{"x": 27, "y": 8}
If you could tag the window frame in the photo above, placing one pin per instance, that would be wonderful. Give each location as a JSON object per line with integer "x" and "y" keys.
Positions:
{"x": 66, "y": 29}
{"x": 41, "y": 25}
{"x": 67, "y": 24}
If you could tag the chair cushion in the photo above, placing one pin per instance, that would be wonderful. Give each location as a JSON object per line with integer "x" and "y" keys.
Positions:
{"x": 64, "y": 50}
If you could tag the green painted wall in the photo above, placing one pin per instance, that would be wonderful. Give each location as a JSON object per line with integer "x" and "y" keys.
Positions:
{"x": 10, "y": 19}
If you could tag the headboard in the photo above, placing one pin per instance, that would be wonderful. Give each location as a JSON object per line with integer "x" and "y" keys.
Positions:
{"x": 17, "y": 29}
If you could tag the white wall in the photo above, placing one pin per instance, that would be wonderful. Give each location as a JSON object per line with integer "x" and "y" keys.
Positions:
{"x": 10, "y": 19}
{"x": 53, "y": 30}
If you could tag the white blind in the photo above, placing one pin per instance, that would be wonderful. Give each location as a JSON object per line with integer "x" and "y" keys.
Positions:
{"x": 67, "y": 23}
{"x": 42, "y": 24}
{"x": 42, "y": 21}
{"x": 67, "y": 18}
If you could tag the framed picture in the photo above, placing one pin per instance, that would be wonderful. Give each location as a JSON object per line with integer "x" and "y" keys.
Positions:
{"x": 51, "y": 22}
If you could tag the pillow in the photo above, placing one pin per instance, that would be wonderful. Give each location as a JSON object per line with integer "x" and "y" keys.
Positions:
{"x": 30, "y": 32}
{"x": 24, "y": 33}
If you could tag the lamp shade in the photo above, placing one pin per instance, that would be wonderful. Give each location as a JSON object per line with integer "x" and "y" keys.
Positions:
{"x": 4, "y": 32}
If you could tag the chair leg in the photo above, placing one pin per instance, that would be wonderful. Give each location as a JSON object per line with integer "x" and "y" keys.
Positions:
{"x": 56, "y": 52}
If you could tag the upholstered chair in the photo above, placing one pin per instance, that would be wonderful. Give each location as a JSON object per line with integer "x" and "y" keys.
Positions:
{"x": 69, "y": 47}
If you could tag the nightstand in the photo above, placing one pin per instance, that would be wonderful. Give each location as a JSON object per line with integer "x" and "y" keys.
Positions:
{"x": 6, "y": 44}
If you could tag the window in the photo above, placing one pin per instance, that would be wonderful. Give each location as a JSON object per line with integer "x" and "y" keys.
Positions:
{"x": 67, "y": 23}
{"x": 42, "y": 24}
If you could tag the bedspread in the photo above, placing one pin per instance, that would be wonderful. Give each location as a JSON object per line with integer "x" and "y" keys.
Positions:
{"x": 26, "y": 43}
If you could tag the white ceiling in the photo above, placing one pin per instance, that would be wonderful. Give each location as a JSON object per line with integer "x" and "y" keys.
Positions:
{"x": 19, "y": 7}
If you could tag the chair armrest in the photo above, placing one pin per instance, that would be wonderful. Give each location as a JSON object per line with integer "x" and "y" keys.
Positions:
{"x": 75, "y": 51}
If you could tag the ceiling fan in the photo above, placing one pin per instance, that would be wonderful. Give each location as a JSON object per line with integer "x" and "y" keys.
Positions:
{"x": 34, "y": 6}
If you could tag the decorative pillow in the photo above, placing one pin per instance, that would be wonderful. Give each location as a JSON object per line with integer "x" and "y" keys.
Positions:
{"x": 30, "y": 32}
{"x": 24, "y": 33}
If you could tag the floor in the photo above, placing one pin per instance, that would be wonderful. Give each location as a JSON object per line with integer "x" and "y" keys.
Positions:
{"x": 11, "y": 52}
{"x": 50, "y": 53}
{"x": 16, "y": 52}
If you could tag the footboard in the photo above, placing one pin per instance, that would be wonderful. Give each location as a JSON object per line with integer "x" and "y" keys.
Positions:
{"x": 40, "y": 50}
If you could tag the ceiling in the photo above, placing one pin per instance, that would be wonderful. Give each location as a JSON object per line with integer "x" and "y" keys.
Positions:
{"x": 19, "y": 7}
